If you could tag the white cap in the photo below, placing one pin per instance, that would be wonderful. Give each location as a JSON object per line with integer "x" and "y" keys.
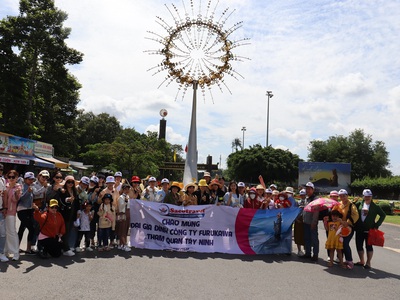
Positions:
{"x": 118, "y": 174}
{"x": 334, "y": 193}
{"x": 302, "y": 192}
{"x": 152, "y": 179}
{"x": 343, "y": 192}
{"x": 110, "y": 179}
{"x": 268, "y": 191}
{"x": 85, "y": 180}
{"x": 29, "y": 175}
{"x": 164, "y": 180}
{"x": 290, "y": 190}
{"x": 94, "y": 179}
{"x": 367, "y": 193}
{"x": 44, "y": 173}
{"x": 273, "y": 186}
{"x": 241, "y": 184}
{"x": 310, "y": 184}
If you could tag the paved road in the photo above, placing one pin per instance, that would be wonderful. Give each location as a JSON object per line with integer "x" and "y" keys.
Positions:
{"x": 147, "y": 274}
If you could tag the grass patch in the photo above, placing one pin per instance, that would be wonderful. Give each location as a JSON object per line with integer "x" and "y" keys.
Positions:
{"x": 395, "y": 219}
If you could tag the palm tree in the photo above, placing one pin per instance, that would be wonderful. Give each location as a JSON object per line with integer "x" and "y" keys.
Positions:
{"x": 236, "y": 143}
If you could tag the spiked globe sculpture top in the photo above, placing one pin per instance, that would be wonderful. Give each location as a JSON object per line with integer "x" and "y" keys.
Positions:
{"x": 197, "y": 52}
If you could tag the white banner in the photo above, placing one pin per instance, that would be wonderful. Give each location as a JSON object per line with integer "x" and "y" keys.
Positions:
{"x": 211, "y": 228}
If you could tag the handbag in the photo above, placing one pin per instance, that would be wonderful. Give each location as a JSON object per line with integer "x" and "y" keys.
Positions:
{"x": 376, "y": 237}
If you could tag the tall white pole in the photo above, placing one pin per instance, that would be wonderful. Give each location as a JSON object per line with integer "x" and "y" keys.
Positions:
{"x": 190, "y": 171}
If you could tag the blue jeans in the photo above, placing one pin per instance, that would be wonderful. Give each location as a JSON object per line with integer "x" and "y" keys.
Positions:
{"x": 346, "y": 247}
{"x": 311, "y": 239}
{"x": 2, "y": 233}
{"x": 104, "y": 235}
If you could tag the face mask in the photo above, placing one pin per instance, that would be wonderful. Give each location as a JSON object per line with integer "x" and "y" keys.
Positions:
{"x": 252, "y": 196}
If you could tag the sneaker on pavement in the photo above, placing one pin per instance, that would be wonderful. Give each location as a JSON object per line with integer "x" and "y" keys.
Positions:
{"x": 15, "y": 257}
{"x": 3, "y": 258}
{"x": 78, "y": 249}
{"x": 126, "y": 248}
{"x": 69, "y": 253}
{"x": 120, "y": 247}
{"x": 90, "y": 249}
{"x": 30, "y": 252}
{"x": 300, "y": 253}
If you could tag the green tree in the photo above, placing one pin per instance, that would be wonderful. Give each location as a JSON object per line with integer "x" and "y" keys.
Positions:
{"x": 367, "y": 158}
{"x": 275, "y": 165}
{"x": 133, "y": 153}
{"x": 95, "y": 129}
{"x": 38, "y": 94}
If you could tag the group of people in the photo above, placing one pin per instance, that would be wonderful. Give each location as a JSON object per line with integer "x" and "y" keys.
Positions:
{"x": 59, "y": 211}
{"x": 341, "y": 223}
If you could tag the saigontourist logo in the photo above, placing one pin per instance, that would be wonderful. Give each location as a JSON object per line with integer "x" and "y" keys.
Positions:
{"x": 165, "y": 210}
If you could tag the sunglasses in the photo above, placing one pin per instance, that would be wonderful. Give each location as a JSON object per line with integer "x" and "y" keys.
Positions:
{"x": 58, "y": 177}
{"x": 11, "y": 177}
{"x": 45, "y": 177}
{"x": 70, "y": 181}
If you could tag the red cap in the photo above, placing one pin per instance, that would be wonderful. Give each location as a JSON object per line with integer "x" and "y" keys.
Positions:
{"x": 135, "y": 179}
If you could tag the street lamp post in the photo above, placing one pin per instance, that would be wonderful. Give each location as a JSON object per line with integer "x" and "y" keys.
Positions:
{"x": 243, "y": 129}
{"x": 269, "y": 95}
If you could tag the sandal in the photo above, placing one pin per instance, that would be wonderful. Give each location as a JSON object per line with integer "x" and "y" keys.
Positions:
{"x": 359, "y": 264}
{"x": 367, "y": 267}
{"x": 330, "y": 264}
{"x": 343, "y": 266}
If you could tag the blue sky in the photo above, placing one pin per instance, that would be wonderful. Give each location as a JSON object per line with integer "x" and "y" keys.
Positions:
{"x": 333, "y": 67}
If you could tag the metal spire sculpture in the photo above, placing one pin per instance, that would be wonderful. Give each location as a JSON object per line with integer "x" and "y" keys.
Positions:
{"x": 197, "y": 52}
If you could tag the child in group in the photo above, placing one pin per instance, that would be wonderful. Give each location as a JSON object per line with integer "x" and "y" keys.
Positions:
{"x": 84, "y": 217}
{"x": 334, "y": 241}
{"x": 106, "y": 221}
{"x": 122, "y": 223}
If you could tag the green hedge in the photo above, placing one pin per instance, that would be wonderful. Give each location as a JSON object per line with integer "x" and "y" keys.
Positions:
{"x": 384, "y": 188}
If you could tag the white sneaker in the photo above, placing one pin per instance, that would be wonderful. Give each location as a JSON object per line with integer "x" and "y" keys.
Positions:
{"x": 69, "y": 253}
{"x": 78, "y": 249}
{"x": 300, "y": 253}
{"x": 120, "y": 247}
{"x": 15, "y": 257}
{"x": 3, "y": 258}
{"x": 126, "y": 248}
{"x": 90, "y": 249}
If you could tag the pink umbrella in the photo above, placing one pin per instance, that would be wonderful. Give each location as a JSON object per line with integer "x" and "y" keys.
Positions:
{"x": 320, "y": 204}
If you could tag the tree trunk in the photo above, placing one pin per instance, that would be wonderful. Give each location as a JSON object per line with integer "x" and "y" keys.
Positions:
{"x": 32, "y": 83}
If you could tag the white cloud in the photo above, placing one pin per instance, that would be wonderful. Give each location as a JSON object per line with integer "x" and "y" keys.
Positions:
{"x": 333, "y": 66}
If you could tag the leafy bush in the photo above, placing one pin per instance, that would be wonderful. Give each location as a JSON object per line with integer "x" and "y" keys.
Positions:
{"x": 386, "y": 207}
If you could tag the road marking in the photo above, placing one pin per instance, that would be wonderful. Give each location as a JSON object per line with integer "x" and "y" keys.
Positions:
{"x": 393, "y": 249}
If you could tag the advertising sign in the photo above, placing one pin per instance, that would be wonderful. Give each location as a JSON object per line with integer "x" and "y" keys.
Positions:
{"x": 325, "y": 176}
